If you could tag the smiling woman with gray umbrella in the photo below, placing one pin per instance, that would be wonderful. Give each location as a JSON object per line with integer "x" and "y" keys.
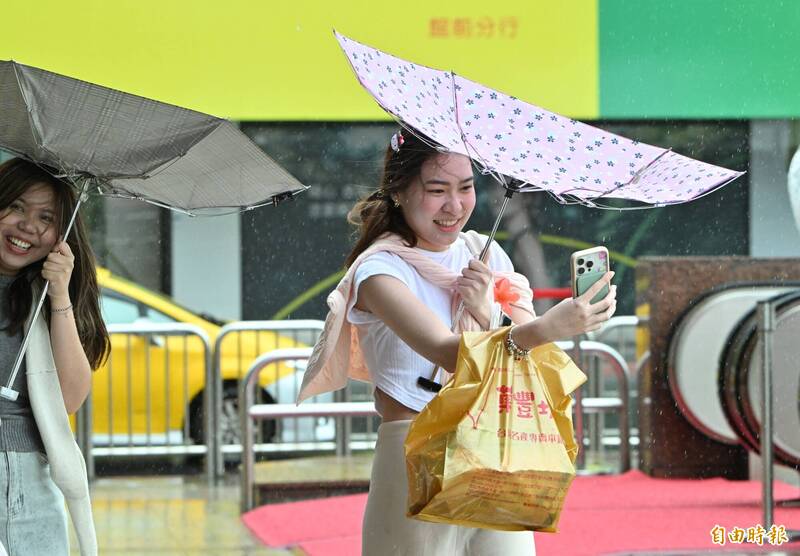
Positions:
{"x": 107, "y": 142}
{"x": 66, "y": 346}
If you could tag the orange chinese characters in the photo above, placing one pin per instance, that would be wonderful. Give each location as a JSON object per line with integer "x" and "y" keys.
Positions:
{"x": 736, "y": 535}
{"x": 508, "y": 27}
{"x": 438, "y": 27}
{"x": 485, "y": 26}
{"x": 755, "y": 535}
{"x": 777, "y": 535}
{"x": 462, "y": 27}
{"x": 718, "y": 535}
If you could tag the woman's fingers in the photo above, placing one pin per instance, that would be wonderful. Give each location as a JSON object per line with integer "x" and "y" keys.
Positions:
{"x": 476, "y": 275}
{"x": 476, "y": 265}
{"x": 595, "y": 288}
{"x": 603, "y": 305}
{"x": 603, "y": 316}
{"x": 57, "y": 268}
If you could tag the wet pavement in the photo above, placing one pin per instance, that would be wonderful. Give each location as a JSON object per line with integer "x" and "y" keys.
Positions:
{"x": 183, "y": 515}
{"x": 172, "y": 515}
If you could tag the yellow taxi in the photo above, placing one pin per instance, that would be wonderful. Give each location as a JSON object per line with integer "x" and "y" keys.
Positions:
{"x": 150, "y": 391}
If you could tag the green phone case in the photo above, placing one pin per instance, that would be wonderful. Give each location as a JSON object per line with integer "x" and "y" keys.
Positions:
{"x": 585, "y": 281}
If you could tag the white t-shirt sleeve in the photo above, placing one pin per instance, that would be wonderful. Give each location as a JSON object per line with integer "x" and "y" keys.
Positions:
{"x": 381, "y": 262}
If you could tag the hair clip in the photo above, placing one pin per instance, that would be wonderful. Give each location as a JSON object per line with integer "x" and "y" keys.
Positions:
{"x": 397, "y": 141}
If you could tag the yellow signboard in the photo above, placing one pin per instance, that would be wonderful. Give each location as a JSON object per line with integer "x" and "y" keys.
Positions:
{"x": 266, "y": 60}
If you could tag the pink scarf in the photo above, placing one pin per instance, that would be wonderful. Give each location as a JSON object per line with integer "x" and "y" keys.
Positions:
{"x": 337, "y": 355}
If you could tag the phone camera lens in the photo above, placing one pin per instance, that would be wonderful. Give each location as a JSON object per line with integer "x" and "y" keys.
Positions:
{"x": 580, "y": 261}
{"x": 589, "y": 264}
{"x": 581, "y": 270}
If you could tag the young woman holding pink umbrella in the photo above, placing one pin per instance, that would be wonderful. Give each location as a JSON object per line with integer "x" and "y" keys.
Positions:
{"x": 391, "y": 318}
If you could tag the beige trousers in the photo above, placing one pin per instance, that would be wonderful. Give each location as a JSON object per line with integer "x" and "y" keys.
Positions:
{"x": 387, "y": 531}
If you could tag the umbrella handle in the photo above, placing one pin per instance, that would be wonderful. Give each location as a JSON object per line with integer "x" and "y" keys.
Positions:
{"x": 431, "y": 384}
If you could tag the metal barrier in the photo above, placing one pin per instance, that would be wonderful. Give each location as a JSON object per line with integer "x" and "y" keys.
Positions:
{"x": 250, "y": 413}
{"x": 149, "y": 388}
{"x": 615, "y": 333}
{"x": 153, "y": 364}
{"x": 620, "y": 333}
{"x": 767, "y": 322}
{"x": 298, "y": 331}
{"x": 601, "y": 405}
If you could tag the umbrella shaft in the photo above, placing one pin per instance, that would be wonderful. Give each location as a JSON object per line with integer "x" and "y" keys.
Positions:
{"x": 500, "y": 213}
{"x": 483, "y": 255}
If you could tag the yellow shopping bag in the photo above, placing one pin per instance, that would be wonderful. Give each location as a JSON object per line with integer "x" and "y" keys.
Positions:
{"x": 495, "y": 448}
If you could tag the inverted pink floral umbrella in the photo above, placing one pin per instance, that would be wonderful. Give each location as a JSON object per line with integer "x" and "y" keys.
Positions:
{"x": 528, "y": 148}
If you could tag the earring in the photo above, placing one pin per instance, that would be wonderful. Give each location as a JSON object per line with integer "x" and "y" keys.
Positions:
{"x": 396, "y": 203}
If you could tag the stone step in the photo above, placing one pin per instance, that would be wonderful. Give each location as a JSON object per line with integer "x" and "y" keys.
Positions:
{"x": 311, "y": 477}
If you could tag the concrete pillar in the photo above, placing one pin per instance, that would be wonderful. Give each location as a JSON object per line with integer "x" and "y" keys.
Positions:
{"x": 773, "y": 232}
{"x": 206, "y": 264}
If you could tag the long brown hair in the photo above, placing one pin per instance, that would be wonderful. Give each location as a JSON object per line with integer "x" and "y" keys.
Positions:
{"x": 376, "y": 214}
{"x": 16, "y": 176}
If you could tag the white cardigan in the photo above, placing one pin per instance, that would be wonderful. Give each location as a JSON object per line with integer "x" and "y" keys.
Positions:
{"x": 67, "y": 466}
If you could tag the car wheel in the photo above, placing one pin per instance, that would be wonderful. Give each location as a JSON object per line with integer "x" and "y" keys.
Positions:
{"x": 230, "y": 430}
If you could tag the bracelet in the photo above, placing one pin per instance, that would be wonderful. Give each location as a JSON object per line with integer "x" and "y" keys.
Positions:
{"x": 513, "y": 349}
{"x": 62, "y": 310}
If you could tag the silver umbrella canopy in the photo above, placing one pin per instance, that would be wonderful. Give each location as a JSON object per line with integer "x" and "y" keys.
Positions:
{"x": 113, "y": 143}
{"x": 130, "y": 146}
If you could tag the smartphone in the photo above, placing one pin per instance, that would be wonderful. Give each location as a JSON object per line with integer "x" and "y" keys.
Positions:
{"x": 586, "y": 268}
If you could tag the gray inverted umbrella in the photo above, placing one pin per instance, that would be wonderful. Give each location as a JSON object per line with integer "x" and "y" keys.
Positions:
{"x": 112, "y": 143}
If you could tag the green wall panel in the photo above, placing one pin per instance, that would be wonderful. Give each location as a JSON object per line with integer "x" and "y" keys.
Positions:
{"x": 699, "y": 58}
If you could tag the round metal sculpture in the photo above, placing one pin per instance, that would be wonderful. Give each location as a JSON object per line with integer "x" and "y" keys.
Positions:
{"x": 694, "y": 355}
{"x": 741, "y": 375}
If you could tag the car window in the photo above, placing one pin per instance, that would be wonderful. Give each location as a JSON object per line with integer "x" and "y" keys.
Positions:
{"x": 118, "y": 311}
{"x": 157, "y": 316}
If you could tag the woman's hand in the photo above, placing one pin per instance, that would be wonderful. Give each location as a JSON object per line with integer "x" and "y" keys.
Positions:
{"x": 57, "y": 269}
{"x": 476, "y": 287}
{"x": 578, "y": 315}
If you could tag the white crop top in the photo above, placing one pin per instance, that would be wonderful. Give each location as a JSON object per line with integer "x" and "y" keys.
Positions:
{"x": 393, "y": 365}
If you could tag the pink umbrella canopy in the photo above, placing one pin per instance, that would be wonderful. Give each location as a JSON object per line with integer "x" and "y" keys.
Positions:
{"x": 542, "y": 150}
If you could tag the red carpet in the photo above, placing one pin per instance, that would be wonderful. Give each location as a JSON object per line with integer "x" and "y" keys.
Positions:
{"x": 603, "y": 515}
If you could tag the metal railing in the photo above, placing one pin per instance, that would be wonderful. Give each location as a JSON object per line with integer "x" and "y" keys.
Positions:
{"x": 299, "y": 331}
{"x": 613, "y": 332}
{"x": 146, "y": 389}
{"x": 619, "y": 332}
{"x": 601, "y": 405}
{"x": 767, "y": 322}
{"x": 150, "y": 349}
{"x": 250, "y": 414}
